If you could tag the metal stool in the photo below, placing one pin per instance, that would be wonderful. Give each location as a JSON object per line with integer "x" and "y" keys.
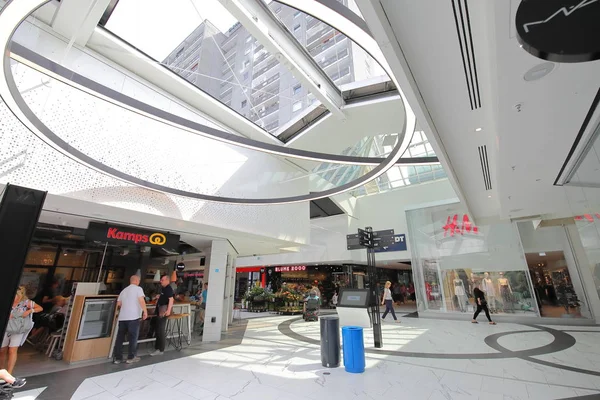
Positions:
{"x": 174, "y": 331}
{"x": 54, "y": 339}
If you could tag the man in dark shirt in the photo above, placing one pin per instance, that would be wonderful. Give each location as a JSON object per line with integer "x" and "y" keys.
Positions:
{"x": 164, "y": 305}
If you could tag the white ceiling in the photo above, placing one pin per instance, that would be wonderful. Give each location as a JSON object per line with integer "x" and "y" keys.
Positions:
{"x": 526, "y": 149}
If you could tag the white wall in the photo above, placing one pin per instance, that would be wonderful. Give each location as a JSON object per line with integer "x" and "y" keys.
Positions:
{"x": 380, "y": 211}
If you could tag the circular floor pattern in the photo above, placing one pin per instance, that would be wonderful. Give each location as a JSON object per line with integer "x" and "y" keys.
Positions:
{"x": 561, "y": 341}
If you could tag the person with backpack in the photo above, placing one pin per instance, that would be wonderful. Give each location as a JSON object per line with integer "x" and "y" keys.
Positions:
{"x": 19, "y": 325}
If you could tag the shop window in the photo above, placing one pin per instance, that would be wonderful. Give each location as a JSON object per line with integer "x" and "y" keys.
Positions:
{"x": 452, "y": 255}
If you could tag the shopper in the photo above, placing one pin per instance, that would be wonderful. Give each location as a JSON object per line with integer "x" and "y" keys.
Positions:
{"x": 481, "y": 305}
{"x": 386, "y": 299}
{"x": 203, "y": 298}
{"x": 11, "y": 381}
{"x": 164, "y": 305}
{"x": 19, "y": 325}
{"x": 48, "y": 294}
{"x": 132, "y": 304}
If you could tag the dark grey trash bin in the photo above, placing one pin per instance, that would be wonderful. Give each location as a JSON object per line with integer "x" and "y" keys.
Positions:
{"x": 330, "y": 341}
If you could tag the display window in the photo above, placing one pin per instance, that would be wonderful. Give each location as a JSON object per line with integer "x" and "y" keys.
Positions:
{"x": 452, "y": 256}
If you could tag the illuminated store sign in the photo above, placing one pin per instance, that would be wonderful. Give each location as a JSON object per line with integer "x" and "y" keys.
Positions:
{"x": 452, "y": 226}
{"x": 587, "y": 217}
{"x": 291, "y": 268}
{"x": 103, "y": 232}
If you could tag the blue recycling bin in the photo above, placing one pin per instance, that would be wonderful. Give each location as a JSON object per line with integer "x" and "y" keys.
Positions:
{"x": 354, "y": 349}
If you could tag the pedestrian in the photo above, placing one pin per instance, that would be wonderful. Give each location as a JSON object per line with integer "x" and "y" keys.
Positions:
{"x": 132, "y": 305}
{"x": 19, "y": 325}
{"x": 386, "y": 299}
{"x": 481, "y": 305}
{"x": 164, "y": 305}
{"x": 203, "y": 298}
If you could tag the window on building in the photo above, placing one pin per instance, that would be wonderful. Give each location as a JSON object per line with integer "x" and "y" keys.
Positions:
{"x": 245, "y": 75}
{"x": 244, "y": 102}
{"x": 195, "y": 67}
{"x": 248, "y": 50}
{"x": 297, "y": 89}
{"x": 296, "y": 28}
{"x": 248, "y": 39}
{"x": 297, "y": 106}
{"x": 179, "y": 52}
{"x": 246, "y": 64}
{"x": 297, "y": 14}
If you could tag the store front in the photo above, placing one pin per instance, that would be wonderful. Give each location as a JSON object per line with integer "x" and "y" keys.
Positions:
{"x": 526, "y": 270}
{"x": 65, "y": 263}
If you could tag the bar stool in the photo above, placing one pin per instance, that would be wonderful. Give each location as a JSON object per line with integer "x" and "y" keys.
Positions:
{"x": 174, "y": 331}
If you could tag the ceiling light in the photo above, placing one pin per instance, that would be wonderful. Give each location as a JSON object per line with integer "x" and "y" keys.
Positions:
{"x": 478, "y": 129}
{"x": 542, "y": 254}
{"x": 489, "y": 196}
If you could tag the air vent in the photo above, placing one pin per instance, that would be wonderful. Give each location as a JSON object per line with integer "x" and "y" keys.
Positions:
{"x": 465, "y": 39}
{"x": 485, "y": 167}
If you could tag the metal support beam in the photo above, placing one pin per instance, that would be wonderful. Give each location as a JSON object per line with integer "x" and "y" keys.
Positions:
{"x": 256, "y": 17}
{"x": 77, "y": 19}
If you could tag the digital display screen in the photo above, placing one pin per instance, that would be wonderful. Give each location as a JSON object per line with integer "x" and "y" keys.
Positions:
{"x": 358, "y": 298}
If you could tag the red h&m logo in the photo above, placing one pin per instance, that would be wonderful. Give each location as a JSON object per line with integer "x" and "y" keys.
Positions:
{"x": 452, "y": 226}
{"x": 587, "y": 217}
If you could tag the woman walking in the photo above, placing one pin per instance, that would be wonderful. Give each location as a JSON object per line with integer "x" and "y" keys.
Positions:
{"x": 19, "y": 325}
{"x": 388, "y": 301}
{"x": 481, "y": 305}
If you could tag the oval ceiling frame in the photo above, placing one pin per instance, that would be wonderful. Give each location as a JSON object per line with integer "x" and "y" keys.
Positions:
{"x": 15, "y": 12}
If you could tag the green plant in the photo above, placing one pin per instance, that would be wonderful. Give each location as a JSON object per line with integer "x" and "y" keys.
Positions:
{"x": 258, "y": 292}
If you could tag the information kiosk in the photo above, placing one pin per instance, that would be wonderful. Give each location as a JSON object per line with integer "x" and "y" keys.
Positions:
{"x": 353, "y": 308}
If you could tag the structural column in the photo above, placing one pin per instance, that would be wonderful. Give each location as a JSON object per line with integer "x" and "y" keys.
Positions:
{"x": 219, "y": 302}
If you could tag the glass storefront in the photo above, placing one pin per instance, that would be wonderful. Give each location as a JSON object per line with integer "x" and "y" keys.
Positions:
{"x": 450, "y": 256}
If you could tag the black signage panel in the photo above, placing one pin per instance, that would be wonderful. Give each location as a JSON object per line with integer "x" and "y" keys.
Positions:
{"x": 566, "y": 31}
{"x": 125, "y": 235}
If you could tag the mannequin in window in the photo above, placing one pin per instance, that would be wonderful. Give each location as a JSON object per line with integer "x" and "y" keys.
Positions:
{"x": 472, "y": 283}
{"x": 459, "y": 292}
{"x": 505, "y": 292}
{"x": 487, "y": 285}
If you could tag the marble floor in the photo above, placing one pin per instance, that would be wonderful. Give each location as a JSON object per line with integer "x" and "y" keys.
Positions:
{"x": 279, "y": 358}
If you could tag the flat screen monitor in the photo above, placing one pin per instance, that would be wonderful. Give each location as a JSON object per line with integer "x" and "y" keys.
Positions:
{"x": 354, "y": 298}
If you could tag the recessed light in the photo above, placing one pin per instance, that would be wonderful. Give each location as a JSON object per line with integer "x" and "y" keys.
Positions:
{"x": 489, "y": 196}
{"x": 478, "y": 130}
{"x": 542, "y": 254}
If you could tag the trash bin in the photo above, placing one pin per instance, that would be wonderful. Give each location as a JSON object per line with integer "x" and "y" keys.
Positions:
{"x": 330, "y": 341}
{"x": 354, "y": 349}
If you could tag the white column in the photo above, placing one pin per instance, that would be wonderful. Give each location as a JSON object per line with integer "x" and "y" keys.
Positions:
{"x": 218, "y": 300}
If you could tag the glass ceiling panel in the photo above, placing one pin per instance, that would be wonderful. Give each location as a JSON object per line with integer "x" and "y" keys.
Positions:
{"x": 343, "y": 61}
{"x": 203, "y": 43}
{"x": 161, "y": 154}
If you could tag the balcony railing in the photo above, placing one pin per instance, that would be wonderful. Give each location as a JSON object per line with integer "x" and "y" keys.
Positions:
{"x": 332, "y": 60}
{"x": 318, "y": 35}
{"x": 264, "y": 84}
{"x": 337, "y": 38}
{"x": 266, "y": 112}
{"x": 265, "y": 69}
{"x": 263, "y": 98}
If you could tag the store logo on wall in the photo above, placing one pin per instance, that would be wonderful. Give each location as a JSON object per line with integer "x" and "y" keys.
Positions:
{"x": 127, "y": 235}
{"x": 560, "y": 30}
{"x": 587, "y": 217}
{"x": 291, "y": 268}
{"x": 452, "y": 226}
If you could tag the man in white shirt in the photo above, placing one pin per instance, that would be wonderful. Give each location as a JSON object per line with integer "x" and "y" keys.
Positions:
{"x": 132, "y": 303}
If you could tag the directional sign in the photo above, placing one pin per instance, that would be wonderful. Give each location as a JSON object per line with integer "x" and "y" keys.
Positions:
{"x": 398, "y": 245}
{"x": 352, "y": 242}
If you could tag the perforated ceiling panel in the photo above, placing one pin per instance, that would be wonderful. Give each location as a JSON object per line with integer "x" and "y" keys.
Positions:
{"x": 28, "y": 161}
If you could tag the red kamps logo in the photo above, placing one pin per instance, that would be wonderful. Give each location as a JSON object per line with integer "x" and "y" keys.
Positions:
{"x": 115, "y": 233}
{"x": 452, "y": 226}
